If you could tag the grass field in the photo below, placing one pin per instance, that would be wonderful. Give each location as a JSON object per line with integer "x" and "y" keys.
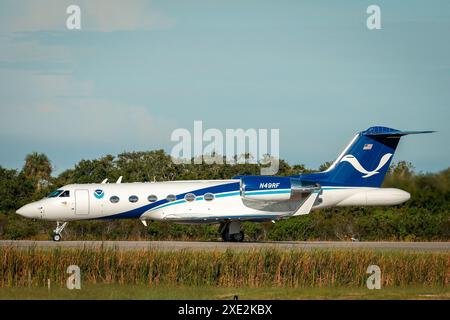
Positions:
{"x": 253, "y": 274}
{"x": 204, "y": 293}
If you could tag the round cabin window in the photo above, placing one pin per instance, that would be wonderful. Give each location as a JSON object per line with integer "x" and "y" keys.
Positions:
{"x": 189, "y": 197}
{"x": 208, "y": 196}
{"x": 133, "y": 199}
{"x": 171, "y": 197}
{"x": 114, "y": 199}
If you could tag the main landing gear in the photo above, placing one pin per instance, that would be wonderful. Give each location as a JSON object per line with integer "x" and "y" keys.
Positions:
{"x": 231, "y": 231}
{"x": 57, "y": 232}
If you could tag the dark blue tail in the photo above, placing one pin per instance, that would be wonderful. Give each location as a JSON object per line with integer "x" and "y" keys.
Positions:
{"x": 364, "y": 162}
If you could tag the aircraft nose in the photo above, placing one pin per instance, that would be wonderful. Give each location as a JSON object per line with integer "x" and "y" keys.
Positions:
{"x": 28, "y": 211}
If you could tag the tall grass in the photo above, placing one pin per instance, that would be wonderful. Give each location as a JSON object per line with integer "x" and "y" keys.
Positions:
{"x": 254, "y": 268}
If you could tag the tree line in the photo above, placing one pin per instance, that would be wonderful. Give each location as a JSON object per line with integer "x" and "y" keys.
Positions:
{"x": 426, "y": 216}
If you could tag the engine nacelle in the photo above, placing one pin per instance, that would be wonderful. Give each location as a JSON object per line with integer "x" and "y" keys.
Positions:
{"x": 266, "y": 188}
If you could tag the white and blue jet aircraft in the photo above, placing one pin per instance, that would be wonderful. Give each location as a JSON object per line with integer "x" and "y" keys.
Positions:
{"x": 354, "y": 179}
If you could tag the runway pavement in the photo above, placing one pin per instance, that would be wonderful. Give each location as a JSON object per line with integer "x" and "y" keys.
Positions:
{"x": 193, "y": 245}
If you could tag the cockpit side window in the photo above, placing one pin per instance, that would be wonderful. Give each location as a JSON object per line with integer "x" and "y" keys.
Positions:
{"x": 55, "y": 193}
{"x": 65, "y": 194}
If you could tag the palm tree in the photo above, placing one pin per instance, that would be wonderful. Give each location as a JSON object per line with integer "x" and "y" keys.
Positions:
{"x": 38, "y": 168}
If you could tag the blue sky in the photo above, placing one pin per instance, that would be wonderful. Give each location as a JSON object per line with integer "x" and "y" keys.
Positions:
{"x": 138, "y": 70}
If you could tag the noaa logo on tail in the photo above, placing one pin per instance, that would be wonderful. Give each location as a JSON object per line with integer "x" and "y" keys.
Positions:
{"x": 355, "y": 163}
{"x": 99, "y": 193}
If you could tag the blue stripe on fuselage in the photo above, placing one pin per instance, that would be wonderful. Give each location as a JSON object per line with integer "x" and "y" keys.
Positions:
{"x": 257, "y": 193}
{"x": 220, "y": 191}
{"x": 136, "y": 213}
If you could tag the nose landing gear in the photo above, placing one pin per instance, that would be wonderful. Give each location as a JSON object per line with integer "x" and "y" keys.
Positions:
{"x": 57, "y": 232}
{"x": 231, "y": 232}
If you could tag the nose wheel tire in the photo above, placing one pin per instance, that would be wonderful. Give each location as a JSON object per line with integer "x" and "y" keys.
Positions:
{"x": 57, "y": 232}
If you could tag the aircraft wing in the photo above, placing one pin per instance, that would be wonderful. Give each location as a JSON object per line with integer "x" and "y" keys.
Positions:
{"x": 306, "y": 206}
{"x": 300, "y": 202}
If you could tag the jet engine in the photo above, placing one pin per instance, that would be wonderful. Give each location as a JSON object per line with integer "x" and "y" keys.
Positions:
{"x": 266, "y": 188}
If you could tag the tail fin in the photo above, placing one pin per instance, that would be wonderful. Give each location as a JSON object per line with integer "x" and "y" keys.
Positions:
{"x": 365, "y": 161}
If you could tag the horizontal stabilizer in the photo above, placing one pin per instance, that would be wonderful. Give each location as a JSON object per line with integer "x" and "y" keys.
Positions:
{"x": 384, "y": 131}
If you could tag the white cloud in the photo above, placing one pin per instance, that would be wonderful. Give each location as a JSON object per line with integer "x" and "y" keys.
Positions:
{"x": 30, "y": 87}
{"x": 98, "y": 15}
{"x": 118, "y": 15}
{"x": 57, "y": 109}
{"x": 92, "y": 122}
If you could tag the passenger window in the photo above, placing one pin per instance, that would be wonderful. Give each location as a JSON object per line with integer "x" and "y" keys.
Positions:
{"x": 114, "y": 199}
{"x": 152, "y": 198}
{"x": 189, "y": 197}
{"x": 65, "y": 194}
{"x": 133, "y": 199}
{"x": 171, "y": 197}
{"x": 208, "y": 196}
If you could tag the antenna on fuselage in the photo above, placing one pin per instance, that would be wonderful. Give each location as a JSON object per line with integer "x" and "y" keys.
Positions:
{"x": 105, "y": 181}
{"x": 119, "y": 180}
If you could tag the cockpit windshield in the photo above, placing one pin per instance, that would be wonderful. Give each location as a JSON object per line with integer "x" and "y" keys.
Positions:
{"x": 55, "y": 193}
{"x": 65, "y": 194}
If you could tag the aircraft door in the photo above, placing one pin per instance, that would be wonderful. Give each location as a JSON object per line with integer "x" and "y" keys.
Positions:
{"x": 82, "y": 202}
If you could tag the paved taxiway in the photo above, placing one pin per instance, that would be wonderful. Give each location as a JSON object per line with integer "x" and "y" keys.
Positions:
{"x": 188, "y": 245}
